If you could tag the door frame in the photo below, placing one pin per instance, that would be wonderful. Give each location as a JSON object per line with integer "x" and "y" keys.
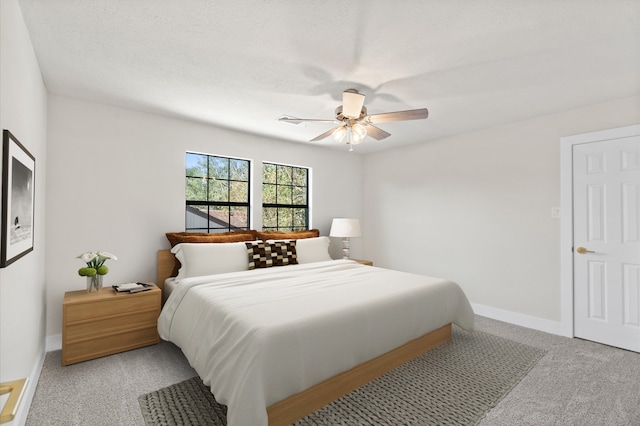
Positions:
{"x": 566, "y": 218}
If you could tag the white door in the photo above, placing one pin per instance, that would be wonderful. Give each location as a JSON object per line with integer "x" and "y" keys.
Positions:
{"x": 606, "y": 242}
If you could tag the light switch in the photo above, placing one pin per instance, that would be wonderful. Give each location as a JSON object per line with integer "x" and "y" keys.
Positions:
{"x": 555, "y": 212}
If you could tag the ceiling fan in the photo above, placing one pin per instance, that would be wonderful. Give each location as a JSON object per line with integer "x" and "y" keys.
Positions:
{"x": 355, "y": 123}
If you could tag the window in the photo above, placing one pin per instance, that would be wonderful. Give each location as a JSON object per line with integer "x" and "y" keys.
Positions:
{"x": 285, "y": 197}
{"x": 216, "y": 193}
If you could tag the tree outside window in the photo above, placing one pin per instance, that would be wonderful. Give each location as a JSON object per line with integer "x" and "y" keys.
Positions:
{"x": 216, "y": 193}
{"x": 285, "y": 197}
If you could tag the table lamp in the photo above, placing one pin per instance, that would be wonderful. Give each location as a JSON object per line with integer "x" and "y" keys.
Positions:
{"x": 345, "y": 229}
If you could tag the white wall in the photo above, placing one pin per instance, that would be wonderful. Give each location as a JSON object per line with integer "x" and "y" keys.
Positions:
{"x": 116, "y": 183}
{"x": 23, "y": 111}
{"x": 476, "y": 208}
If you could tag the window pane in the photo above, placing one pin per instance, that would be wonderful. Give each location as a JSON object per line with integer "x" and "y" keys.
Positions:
{"x": 218, "y": 190}
{"x": 284, "y": 175}
{"x": 196, "y": 217}
{"x": 300, "y": 218}
{"x": 268, "y": 194}
{"x": 219, "y": 168}
{"x": 268, "y": 173}
{"x": 196, "y": 165}
{"x": 299, "y": 195}
{"x": 239, "y": 192}
{"x": 285, "y": 219}
{"x": 239, "y": 170}
{"x": 284, "y": 195}
{"x": 196, "y": 189}
{"x": 219, "y": 217}
{"x": 299, "y": 176}
{"x": 269, "y": 217}
{"x": 240, "y": 217}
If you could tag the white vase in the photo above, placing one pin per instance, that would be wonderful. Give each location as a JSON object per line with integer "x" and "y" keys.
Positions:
{"x": 94, "y": 283}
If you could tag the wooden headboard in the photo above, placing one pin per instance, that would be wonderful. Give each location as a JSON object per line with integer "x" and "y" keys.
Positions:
{"x": 166, "y": 265}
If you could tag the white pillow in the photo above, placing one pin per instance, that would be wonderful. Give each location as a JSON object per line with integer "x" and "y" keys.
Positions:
{"x": 198, "y": 259}
{"x": 311, "y": 250}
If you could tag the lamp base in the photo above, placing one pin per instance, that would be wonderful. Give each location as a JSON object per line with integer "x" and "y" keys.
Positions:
{"x": 345, "y": 248}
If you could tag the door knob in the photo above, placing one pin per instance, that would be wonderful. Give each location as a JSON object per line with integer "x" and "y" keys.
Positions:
{"x": 583, "y": 250}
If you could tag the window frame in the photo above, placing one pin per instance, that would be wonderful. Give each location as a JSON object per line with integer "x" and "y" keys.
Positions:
{"x": 277, "y": 205}
{"x": 209, "y": 203}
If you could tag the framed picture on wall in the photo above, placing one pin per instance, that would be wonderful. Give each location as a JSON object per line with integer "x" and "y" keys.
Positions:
{"x": 18, "y": 199}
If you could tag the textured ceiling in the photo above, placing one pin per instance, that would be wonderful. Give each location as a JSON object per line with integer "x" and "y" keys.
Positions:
{"x": 242, "y": 64}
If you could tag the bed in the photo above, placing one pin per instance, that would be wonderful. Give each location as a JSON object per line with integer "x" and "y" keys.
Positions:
{"x": 278, "y": 342}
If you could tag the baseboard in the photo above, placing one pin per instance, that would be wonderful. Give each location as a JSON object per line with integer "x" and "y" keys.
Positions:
{"x": 528, "y": 321}
{"x": 20, "y": 418}
{"x": 54, "y": 343}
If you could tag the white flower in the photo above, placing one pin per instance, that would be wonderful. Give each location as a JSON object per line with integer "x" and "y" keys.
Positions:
{"x": 107, "y": 255}
{"x": 88, "y": 256}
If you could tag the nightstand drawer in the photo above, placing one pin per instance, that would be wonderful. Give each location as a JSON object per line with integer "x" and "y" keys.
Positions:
{"x": 94, "y": 328}
{"x": 110, "y": 344}
{"x": 107, "y": 307}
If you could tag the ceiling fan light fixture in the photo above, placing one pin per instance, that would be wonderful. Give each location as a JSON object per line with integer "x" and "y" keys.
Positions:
{"x": 339, "y": 133}
{"x": 359, "y": 131}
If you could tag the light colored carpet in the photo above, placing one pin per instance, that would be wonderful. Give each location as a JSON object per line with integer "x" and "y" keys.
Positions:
{"x": 454, "y": 384}
{"x": 104, "y": 391}
{"x": 575, "y": 383}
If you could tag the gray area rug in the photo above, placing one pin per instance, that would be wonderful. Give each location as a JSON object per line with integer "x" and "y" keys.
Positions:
{"x": 453, "y": 384}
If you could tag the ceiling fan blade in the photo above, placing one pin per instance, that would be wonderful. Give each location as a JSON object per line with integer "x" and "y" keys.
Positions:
{"x": 325, "y": 134}
{"x": 376, "y": 132}
{"x": 412, "y": 114}
{"x": 295, "y": 120}
{"x": 352, "y": 103}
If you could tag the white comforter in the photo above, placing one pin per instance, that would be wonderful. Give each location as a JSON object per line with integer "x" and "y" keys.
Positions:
{"x": 259, "y": 336}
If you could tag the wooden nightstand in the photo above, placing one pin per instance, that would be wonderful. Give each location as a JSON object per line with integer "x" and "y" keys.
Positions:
{"x": 105, "y": 323}
{"x": 364, "y": 262}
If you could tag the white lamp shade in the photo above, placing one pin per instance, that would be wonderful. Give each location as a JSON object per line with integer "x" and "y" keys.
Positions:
{"x": 352, "y": 102}
{"x": 342, "y": 227}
